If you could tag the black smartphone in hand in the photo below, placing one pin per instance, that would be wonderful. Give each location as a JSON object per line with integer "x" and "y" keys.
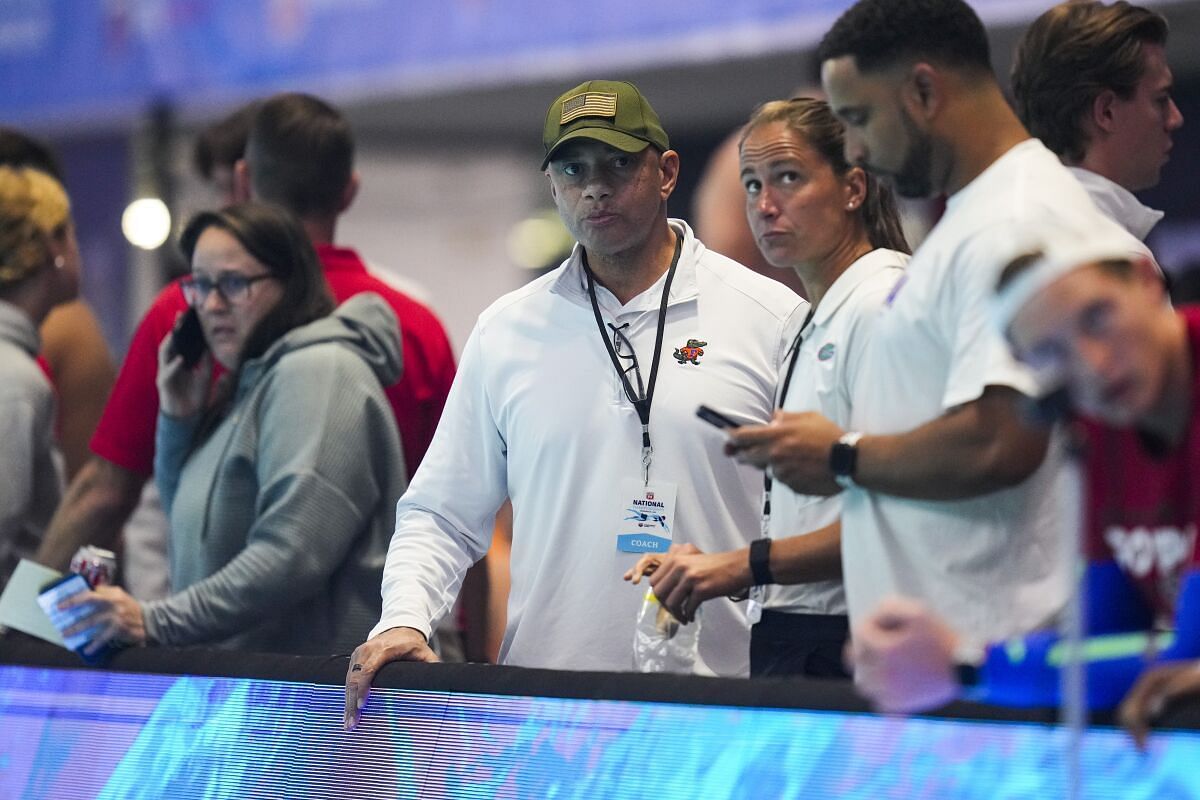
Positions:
{"x": 187, "y": 339}
{"x": 716, "y": 418}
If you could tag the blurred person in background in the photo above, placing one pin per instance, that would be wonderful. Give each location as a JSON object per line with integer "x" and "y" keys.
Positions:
{"x": 143, "y": 540}
{"x": 278, "y": 481}
{"x": 219, "y": 148}
{"x": 1094, "y": 325}
{"x": 576, "y": 398}
{"x": 74, "y": 352}
{"x": 112, "y": 503}
{"x": 1092, "y": 82}
{"x": 215, "y": 156}
{"x": 837, "y": 229}
{"x": 300, "y": 156}
{"x": 39, "y": 269}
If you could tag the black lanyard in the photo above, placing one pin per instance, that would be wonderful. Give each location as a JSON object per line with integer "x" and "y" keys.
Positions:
{"x": 641, "y": 401}
{"x": 794, "y": 350}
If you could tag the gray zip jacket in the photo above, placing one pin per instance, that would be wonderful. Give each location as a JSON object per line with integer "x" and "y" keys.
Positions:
{"x": 280, "y": 519}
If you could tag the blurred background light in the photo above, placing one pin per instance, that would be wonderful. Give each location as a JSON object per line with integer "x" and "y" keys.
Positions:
{"x": 539, "y": 241}
{"x": 146, "y": 223}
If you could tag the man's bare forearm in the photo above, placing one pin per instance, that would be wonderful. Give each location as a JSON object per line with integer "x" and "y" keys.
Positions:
{"x": 815, "y": 556}
{"x": 95, "y": 509}
{"x": 806, "y": 558}
{"x": 980, "y": 447}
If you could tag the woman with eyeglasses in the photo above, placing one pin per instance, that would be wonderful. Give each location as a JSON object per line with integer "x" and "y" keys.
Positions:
{"x": 280, "y": 477}
{"x": 39, "y": 269}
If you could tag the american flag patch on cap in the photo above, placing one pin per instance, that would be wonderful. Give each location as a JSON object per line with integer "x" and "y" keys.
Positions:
{"x": 588, "y": 104}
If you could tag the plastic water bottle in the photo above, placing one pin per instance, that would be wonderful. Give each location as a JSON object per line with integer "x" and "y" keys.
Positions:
{"x": 661, "y": 643}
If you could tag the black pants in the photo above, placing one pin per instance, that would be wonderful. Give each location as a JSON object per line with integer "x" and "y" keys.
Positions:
{"x": 798, "y": 644}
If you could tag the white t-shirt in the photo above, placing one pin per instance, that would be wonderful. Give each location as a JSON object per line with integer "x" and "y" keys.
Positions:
{"x": 828, "y": 367}
{"x": 537, "y": 413}
{"x": 992, "y": 565}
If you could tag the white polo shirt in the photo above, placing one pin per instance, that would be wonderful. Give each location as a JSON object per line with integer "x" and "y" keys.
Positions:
{"x": 991, "y": 565}
{"x": 537, "y": 413}
{"x": 828, "y": 366}
{"x": 1118, "y": 203}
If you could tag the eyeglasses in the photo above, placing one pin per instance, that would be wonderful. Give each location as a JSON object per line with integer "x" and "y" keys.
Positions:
{"x": 620, "y": 342}
{"x": 232, "y": 287}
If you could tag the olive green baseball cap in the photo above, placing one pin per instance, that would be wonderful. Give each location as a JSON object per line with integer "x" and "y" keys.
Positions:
{"x": 613, "y": 112}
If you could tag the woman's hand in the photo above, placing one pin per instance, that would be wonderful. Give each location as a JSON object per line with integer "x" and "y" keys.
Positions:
{"x": 116, "y": 618}
{"x": 182, "y": 392}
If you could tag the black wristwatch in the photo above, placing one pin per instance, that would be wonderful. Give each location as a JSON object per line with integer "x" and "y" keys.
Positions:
{"x": 760, "y": 562}
{"x": 843, "y": 459}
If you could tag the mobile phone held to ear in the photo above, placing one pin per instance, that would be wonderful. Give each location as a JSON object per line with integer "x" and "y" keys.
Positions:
{"x": 716, "y": 418}
{"x": 187, "y": 339}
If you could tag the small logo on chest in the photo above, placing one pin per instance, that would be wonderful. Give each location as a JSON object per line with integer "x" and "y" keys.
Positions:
{"x": 691, "y": 352}
{"x": 827, "y": 351}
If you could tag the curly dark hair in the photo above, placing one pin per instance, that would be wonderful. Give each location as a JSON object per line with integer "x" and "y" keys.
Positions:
{"x": 881, "y": 33}
{"x": 1072, "y": 53}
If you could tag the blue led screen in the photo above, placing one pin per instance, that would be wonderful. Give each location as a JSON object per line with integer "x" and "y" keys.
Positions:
{"x": 85, "y": 734}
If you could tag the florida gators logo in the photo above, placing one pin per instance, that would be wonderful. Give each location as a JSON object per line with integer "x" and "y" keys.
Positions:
{"x": 690, "y": 353}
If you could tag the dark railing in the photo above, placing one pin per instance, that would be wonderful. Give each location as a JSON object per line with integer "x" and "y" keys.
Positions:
{"x": 784, "y": 693}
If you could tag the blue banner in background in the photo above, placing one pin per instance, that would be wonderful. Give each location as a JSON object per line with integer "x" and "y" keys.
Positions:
{"x": 107, "y": 57}
{"x": 86, "y": 61}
